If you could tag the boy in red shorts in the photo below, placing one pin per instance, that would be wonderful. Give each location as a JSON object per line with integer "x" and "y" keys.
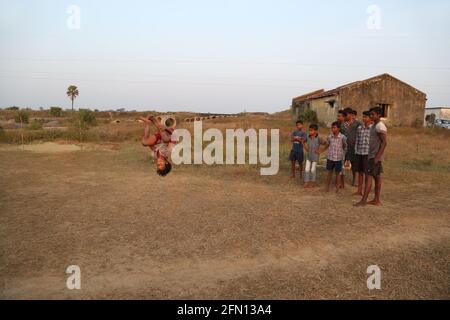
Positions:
{"x": 161, "y": 144}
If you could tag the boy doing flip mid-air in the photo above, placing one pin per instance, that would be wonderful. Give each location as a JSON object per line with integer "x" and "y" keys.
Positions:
{"x": 161, "y": 144}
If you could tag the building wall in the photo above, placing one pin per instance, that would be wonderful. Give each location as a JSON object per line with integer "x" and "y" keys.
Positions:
{"x": 325, "y": 113}
{"x": 406, "y": 105}
{"x": 445, "y": 114}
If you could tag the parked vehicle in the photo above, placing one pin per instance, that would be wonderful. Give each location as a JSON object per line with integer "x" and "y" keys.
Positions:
{"x": 442, "y": 123}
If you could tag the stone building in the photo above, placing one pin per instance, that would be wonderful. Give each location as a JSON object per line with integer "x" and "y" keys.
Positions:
{"x": 402, "y": 104}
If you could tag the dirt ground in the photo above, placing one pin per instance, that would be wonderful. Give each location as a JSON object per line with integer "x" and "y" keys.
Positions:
{"x": 211, "y": 233}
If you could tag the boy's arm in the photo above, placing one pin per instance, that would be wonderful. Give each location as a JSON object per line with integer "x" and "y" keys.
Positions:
{"x": 322, "y": 142}
{"x": 327, "y": 145}
{"x": 294, "y": 138}
{"x": 383, "y": 138}
{"x": 166, "y": 135}
{"x": 305, "y": 145}
{"x": 344, "y": 144}
{"x": 146, "y": 130}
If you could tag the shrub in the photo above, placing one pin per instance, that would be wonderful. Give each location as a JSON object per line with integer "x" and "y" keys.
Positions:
{"x": 307, "y": 115}
{"x": 35, "y": 125}
{"x": 21, "y": 116}
{"x": 12, "y": 108}
{"x": 84, "y": 118}
{"x": 55, "y": 111}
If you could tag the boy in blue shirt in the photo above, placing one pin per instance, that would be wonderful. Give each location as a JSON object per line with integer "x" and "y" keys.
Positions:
{"x": 298, "y": 137}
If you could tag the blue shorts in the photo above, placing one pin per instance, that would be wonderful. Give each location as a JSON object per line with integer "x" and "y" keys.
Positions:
{"x": 296, "y": 156}
{"x": 337, "y": 166}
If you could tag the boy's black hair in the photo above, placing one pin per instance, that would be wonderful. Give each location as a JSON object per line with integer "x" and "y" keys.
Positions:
{"x": 354, "y": 112}
{"x": 314, "y": 126}
{"x": 299, "y": 121}
{"x": 167, "y": 168}
{"x": 366, "y": 113}
{"x": 336, "y": 124}
{"x": 348, "y": 111}
{"x": 377, "y": 110}
{"x": 342, "y": 112}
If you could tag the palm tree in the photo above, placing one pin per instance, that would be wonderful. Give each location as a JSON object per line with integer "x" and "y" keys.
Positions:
{"x": 72, "y": 93}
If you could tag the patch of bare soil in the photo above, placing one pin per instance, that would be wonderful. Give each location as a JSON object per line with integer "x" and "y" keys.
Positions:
{"x": 46, "y": 147}
{"x": 61, "y": 147}
{"x": 191, "y": 235}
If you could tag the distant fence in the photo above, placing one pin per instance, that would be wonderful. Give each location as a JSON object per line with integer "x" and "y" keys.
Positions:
{"x": 211, "y": 117}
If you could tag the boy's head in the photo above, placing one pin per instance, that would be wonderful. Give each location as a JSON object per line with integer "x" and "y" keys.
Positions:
{"x": 366, "y": 117}
{"x": 376, "y": 113}
{"x": 349, "y": 112}
{"x": 299, "y": 125}
{"x": 335, "y": 128}
{"x": 163, "y": 167}
{"x": 342, "y": 116}
{"x": 313, "y": 130}
{"x": 352, "y": 115}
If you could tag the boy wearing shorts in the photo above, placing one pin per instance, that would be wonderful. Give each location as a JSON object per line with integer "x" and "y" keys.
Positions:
{"x": 337, "y": 146}
{"x": 362, "y": 150}
{"x": 298, "y": 137}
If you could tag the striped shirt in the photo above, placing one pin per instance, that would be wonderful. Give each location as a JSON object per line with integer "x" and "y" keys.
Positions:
{"x": 362, "y": 140}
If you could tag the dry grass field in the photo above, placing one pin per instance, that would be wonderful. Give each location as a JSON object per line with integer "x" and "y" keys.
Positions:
{"x": 220, "y": 232}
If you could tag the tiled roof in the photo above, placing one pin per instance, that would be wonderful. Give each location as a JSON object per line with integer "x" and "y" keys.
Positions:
{"x": 322, "y": 93}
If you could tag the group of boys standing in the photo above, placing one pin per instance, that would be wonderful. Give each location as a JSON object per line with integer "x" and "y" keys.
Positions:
{"x": 352, "y": 143}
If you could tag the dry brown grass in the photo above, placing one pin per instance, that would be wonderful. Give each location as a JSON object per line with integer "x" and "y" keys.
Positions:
{"x": 222, "y": 231}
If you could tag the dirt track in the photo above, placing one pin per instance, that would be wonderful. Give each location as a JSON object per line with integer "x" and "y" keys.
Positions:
{"x": 200, "y": 235}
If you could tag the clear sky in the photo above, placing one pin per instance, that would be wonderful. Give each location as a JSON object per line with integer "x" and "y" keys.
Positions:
{"x": 216, "y": 55}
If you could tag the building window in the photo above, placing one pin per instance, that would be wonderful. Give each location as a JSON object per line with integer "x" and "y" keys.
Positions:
{"x": 385, "y": 107}
{"x": 332, "y": 103}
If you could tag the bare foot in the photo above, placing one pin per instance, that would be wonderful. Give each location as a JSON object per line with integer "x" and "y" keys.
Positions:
{"x": 360, "y": 204}
{"x": 374, "y": 203}
{"x": 144, "y": 120}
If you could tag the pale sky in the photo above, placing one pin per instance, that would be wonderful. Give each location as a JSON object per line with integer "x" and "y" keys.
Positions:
{"x": 215, "y": 56}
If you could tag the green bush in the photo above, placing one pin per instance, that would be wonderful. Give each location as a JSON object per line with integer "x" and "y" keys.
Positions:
{"x": 309, "y": 116}
{"x": 21, "y": 116}
{"x": 55, "y": 111}
{"x": 83, "y": 119}
{"x": 35, "y": 125}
